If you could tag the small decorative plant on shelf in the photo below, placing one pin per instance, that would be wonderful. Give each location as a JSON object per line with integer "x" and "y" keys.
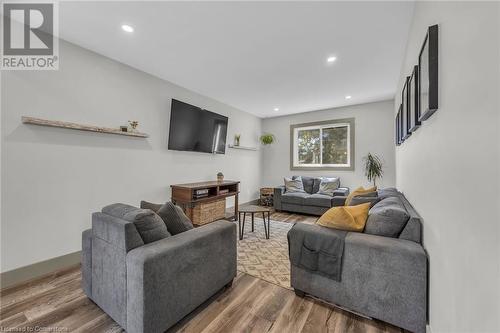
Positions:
{"x": 220, "y": 177}
{"x": 267, "y": 139}
{"x": 237, "y": 139}
{"x": 133, "y": 124}
{"x": 373, "y": 168}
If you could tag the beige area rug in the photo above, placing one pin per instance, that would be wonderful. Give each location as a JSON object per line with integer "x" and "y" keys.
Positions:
{"x": 266, "y": 259}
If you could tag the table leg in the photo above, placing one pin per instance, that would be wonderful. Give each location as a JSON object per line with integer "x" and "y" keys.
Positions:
{"x": 239, "y": 225}
{"x": 243, "y": 226}
{"x": 264, "y": 219}
{"x": 236, "y": 215}
{"x": 268, "y": 224}
{"x": 252, "y": 221}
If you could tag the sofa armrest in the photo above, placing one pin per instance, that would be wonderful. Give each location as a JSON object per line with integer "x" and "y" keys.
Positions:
{"x": 338, "y": 201}
{"x": 178, "y": 273}
{"x": 278, "y": 192}
{"x": 397, "y": 256}
{"x": 120, "y": 233}
{"x": 341, "y": 191}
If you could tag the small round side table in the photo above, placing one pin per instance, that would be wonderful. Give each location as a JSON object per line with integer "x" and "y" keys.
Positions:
{"x": 252, "y": 209}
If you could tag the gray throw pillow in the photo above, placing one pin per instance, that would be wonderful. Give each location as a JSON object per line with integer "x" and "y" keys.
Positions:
{"x": 387, "y": 218}
{"x": 294, "y": 184}
{"x": 174, "y": 218}
{"x": 149, "y": 205}
{"x": 148, "y": 224}
{"x": 358, "y": 200}
{"x": 328, "y": 185}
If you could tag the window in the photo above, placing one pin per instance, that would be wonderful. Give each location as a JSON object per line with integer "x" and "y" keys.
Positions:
{"x": 324, "y": 145}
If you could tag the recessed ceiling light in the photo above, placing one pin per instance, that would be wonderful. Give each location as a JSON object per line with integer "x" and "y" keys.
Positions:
{"x": 331, "y": 59}
{"x": 348, "y": 97}
{"x": 127, "y": 28}
{"x": 276, "y": 109}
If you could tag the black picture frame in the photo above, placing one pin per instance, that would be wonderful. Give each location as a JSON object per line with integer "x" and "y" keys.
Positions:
{"x": 398, "y": 127}
{"x": 428, "y": 74}
{"x": 413, "y": 101}
{"x": 405, "y": 119}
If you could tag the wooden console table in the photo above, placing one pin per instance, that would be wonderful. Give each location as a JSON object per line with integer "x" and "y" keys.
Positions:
{"x": 185, "y": 196}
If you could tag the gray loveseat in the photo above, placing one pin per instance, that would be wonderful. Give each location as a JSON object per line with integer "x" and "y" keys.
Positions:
{"x": 150, "y": 287}
{"x": 309, "y": 202}
{"x": 381, "y": 277}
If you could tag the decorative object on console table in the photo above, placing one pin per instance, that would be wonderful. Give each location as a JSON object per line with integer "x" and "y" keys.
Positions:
{"x": 205, "y": 202}
{"x": 413, "y": 100}
{"x": 237, "y": 139}
{"x": 266, "y": 196}
{"x": 220, "y": 176}
{"x": 428, "y": 74}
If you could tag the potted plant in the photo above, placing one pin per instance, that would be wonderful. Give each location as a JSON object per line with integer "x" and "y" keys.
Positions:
{"x": 373, "y": 168}
{"x": 237, "y": 139}
{"x": 267, "y": 139}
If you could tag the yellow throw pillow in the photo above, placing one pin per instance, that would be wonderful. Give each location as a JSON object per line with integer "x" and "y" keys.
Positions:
{"x": 359, "y": 191}
{"x": 349, "y": 218}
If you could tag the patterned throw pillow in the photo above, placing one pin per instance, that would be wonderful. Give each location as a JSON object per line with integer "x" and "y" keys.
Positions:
{"x": 294, "y": 185}
{"x": 360, "y": 191}
{"x": 328, "y": 185}
{"x": 174, "y": 218}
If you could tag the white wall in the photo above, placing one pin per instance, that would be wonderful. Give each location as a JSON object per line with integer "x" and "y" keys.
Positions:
{"x": 373, "y": 133}
{"x": 449, "y": 168}
{"x": 52, "y": 179}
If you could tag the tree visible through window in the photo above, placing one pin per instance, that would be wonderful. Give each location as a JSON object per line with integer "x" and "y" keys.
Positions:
{"x": 325, "y": 145}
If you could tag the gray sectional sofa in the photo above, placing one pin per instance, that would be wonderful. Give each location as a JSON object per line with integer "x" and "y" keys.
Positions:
{"x": 310, "y": 202}
{"x": 150, "y": 287}
{"x": 381, "y": 277}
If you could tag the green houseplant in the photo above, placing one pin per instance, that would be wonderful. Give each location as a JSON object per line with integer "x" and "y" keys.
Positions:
{"x": 267, "y": 139}
{"x": 373, "y": 168}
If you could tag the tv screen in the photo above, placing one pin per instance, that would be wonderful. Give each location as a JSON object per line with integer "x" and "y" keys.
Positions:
{"x": 195, "y": 129}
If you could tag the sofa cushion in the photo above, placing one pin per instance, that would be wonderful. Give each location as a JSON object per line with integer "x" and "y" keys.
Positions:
{"x": 296, "y": 198}
{"x": 316, "y": 182}
{"x": 293, "y": 185}
{"x": 174, "y": 218}
{"x": 318, "y": 200}
{"x": 387, "y": 218}
{"x": 149, "y": 225}
{"x": 307, "y": 182}
{"x": 373, "y": 200}
{"x": 327, "y": 186}
{"x": 149, "y": 205}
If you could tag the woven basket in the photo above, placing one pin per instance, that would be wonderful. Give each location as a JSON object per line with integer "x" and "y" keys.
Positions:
{"x": 206, "y": 212}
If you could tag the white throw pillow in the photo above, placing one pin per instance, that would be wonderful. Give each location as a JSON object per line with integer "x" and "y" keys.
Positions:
{"x": 294, "y": 185}
{"x": 328, "y": 185}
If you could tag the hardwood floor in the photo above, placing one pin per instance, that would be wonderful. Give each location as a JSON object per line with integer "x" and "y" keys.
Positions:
{"x": 58, "y": 304}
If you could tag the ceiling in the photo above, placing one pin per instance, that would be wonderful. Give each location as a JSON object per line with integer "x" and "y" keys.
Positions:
{"x": 255, "y": 56}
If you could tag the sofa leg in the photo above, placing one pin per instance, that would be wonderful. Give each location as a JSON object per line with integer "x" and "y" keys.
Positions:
{"x": 299, "y": 293}
{"x": 229, "y": 284}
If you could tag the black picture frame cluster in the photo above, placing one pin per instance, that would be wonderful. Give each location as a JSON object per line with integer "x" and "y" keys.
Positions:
{"x": 419, "y": 96}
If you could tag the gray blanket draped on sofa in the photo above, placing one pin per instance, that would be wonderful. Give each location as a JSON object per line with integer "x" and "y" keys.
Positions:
{"x": 319, "y": 252}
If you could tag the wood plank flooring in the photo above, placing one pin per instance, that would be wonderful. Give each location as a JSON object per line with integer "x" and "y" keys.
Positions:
{"x": 58, "y": 304}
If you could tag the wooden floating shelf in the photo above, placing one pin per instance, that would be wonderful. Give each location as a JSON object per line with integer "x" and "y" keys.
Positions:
{"x": 242, "y": 147}
{"x": 79, "y": 127}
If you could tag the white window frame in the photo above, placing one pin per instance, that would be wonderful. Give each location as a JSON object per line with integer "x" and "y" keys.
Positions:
{"x": 294, "y": 151}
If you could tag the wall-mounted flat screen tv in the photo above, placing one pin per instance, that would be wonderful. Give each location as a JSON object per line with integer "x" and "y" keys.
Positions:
{"x": 195, "y": 129}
